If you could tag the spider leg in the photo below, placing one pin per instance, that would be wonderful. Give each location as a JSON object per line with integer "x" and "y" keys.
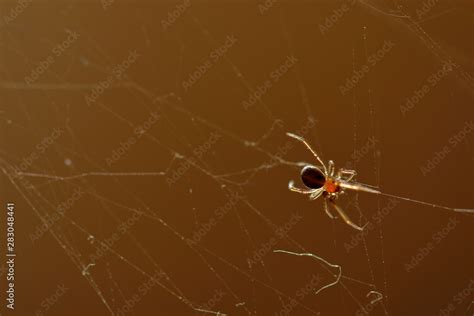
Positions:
{"x": 291, "y": 186}
{"x": 317, "y": 193}
{"x": 301, "y": 139}
{"x": 326, "y": 209}
{"x": 331, "y": 168}
{"x": 346, "y": 172}
{"x": 345, "y": 217}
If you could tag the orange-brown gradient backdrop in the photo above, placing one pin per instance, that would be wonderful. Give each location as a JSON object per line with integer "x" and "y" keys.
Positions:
{"x": 218, "y": 265}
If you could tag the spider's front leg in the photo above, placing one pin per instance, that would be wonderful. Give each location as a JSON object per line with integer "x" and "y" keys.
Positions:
{"x": 331, "y": 168}
{"x": 302, "y": 140}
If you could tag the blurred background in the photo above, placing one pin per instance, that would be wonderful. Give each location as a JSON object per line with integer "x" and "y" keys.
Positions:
{"x": 144, "y": 147}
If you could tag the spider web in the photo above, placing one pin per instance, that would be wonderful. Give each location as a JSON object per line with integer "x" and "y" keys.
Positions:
{"x": 144, "y": 146}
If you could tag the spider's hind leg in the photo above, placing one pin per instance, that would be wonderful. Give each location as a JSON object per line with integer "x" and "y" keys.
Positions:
{"x": 345, "y": 217}
{"x": 326, "y": 209}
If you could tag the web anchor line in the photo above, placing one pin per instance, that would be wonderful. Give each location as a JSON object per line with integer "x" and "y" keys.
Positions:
{"x": 369, "y": 189}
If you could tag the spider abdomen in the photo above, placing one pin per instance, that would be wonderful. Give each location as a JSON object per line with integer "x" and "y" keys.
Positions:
{"x": 312, "y": 177}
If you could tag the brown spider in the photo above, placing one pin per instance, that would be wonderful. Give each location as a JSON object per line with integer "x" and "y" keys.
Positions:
{"x": 328, "y": 183}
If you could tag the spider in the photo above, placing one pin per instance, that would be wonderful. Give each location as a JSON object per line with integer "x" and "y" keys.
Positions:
{"x": 328, "y": 183}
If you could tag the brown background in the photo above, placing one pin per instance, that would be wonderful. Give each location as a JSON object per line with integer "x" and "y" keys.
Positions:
{"x": 213, "y": 104}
